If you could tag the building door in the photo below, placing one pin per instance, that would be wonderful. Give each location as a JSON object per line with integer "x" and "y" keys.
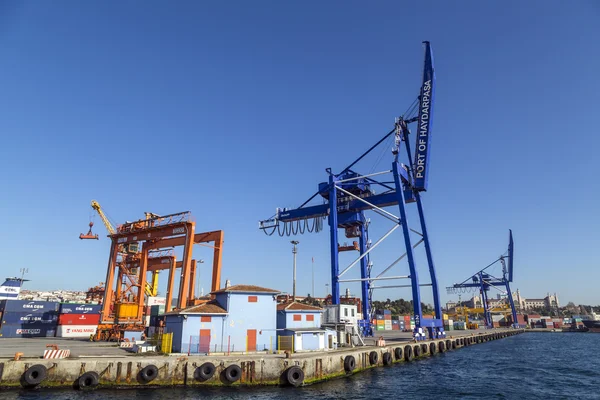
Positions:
{"x": 204, "y": 346}
{"x": 251, "y": 334}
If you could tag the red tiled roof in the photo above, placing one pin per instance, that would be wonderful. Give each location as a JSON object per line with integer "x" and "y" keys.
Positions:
{"x": 247, "y": 289}
{"x": 295, "y": 306}
{"x": 212, "y": 307}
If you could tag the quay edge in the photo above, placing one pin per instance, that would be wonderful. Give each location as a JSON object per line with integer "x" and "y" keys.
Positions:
{"x": 254, "y": 369}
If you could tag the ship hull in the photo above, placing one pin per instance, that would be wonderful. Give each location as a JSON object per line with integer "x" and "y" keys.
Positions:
{"x": 593, "y": 326}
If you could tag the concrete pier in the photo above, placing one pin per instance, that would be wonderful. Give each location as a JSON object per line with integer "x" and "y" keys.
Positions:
{"x": 248, "y": 369}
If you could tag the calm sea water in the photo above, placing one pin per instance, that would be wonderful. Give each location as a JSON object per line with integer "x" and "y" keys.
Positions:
{"x": 528, "y": 366}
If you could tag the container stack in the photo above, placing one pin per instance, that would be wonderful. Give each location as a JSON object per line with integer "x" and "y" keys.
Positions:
{"x": 396, "y": 323}
{"x": 156, "y": 319}
{"x": 387, "y": 320}
{"x": 23, "y": 318}
{"x": 448, "y": 325}
{"x": 460, "y": 325}
{"x": 78, "y": 320}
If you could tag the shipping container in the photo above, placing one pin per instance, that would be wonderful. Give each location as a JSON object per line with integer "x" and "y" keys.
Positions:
{"x": 79, "y": 319}
{"x": 10, "y": 317}
{"x": 380, "y": 327}
{"x": 72, "y": 331}
{"x": 29, "y": 330}
{"x": 80, "y": 308}
{"x": 157, "y": 310}
{"x": 28, "y": 306}
{"x": 387, "y": 312}
{"x": 156, "y": 301}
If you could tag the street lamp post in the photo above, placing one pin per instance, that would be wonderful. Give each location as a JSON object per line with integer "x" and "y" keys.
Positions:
{"x": 294, "y": 251}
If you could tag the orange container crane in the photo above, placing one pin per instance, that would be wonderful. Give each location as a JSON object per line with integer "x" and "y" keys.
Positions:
{"x": 123, "y": 305}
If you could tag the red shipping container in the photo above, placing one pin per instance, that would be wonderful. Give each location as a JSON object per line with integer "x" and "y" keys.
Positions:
{"x": 387, "y": 317}
{"x": 79, "y": 319}
{"x": 427, "y": 316}
{"x": 407, "y": 318}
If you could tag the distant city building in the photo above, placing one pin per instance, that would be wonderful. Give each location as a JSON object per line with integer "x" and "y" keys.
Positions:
{"x": 550, "y": 301}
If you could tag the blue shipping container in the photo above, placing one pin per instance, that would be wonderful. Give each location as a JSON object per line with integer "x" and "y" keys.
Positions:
{"x": 80, "y": 308}
{"x": 28, "y": 306}
{"x": 28, "y": 318}
{"x": 30, "y": 330}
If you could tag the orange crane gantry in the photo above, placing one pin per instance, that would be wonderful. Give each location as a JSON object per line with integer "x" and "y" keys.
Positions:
{"x": 123, "y": 305}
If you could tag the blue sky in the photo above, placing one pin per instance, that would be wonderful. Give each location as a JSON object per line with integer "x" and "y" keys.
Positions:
{"x": 232, "y": 109}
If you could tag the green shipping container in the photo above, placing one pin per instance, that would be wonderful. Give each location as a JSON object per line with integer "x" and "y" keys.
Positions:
{"x": 380, "y": 327}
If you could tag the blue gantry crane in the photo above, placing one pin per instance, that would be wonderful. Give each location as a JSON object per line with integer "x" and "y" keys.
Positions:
{"x": 348, "y": 194}
{"x": 484, "y": 280}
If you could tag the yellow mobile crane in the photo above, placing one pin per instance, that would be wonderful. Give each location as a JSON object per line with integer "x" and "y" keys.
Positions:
{"x": 132, "y": 248}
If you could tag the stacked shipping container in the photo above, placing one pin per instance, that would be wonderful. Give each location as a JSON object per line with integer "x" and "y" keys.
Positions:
{"x": 22, "y": 318}
{"x": 78, "y": 320}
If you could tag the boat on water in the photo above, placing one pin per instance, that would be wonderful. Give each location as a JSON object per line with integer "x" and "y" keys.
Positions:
{"x": 11, "y": 288}
{"x": 592, "y": 324}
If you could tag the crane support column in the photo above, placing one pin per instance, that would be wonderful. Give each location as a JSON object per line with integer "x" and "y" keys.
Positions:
{"x": 192, "y": 281}
{"x": 414, "y": 277}
{"x": 185, "y": 268}
{"x": 216, "y": 276}
{"x": 171, "y": 281}
{"x": 434, "y": 285}
{"x": 142, "y": 280}
{"x": 108, "y": 284}
{"x": 513, "y": 310}
{"x": 333, "y": 229}
{"x": 364, "y": 273}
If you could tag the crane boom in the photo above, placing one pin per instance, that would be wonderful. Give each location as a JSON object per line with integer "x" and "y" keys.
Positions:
{"x": 151, "y": 289}
{"x": 107, "y": 224}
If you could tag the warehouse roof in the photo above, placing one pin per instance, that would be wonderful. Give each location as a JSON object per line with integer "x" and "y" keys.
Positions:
{"x": 212, "y": 307}
{"x": 295, "y": 306}
{"x": 247, "y": 289}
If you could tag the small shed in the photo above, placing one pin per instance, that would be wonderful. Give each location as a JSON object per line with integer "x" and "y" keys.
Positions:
{"x": 308, "y": 339}
{"x": 298, "y": 315}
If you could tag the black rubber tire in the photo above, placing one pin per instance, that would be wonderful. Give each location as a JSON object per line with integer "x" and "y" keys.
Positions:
{"x": 387, "y": 359}
{"x": 35, "y": 375}
{"x": 148, "y": 373}
{"x": 448, "y": 344}
{"x": 88, "y": 380}
{"x": 233, "y": 373}
{"x": 294, "y": 376}
{"x": 442, "y": 346}
{"x": 432, "y": 348}
{"x": 373, "y": 358}
{"x": 408, "y": 353}
{"x": 204, "y": 372}
{"x": 424, "y": 348}
{"x": 454, "y": 345}
{"x": 349, "y": 363}
{"x": 417, "y": 351}
{"x": 398, "y": 353}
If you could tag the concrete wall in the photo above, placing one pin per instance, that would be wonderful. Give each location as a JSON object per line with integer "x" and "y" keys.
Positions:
{"x": 175, "y": 370}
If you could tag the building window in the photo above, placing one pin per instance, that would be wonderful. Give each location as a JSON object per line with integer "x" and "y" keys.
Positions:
{"x": 345, "y": 312}
{"x": 310, "y": 317}
{"x": 353, "y": 312}
{"x": 205, "y": 319}
{"x": 297, "y": 317}
{"x": 252, "y": 299}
